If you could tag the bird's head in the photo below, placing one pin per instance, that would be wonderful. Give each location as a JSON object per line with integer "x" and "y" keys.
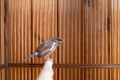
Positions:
{"x": 59, "y": 40}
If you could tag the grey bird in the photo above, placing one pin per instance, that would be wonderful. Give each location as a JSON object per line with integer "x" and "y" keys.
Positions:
{"x": 46, "y": 48}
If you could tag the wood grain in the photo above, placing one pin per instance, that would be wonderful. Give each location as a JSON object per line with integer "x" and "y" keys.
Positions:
{"x": 20, "y": 73}
{"x": 90, "y": 29}
{"x": 44, "y": 27}
{"x": 115, "y": 56}
{"x": 2, "y": 53}
{"x": 19, "y": 37}
{"x": 44, "y": 24}
{"x": 2, "y": 74}
{"x": 69, "y": 24}
{"x": 19, "y": 34}
{"x": 115, "y": 31}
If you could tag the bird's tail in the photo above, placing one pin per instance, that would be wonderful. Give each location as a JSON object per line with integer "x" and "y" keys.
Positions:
{"x": 30, "y": 56}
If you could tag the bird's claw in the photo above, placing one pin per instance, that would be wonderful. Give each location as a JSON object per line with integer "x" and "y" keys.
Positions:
{"x": 47, "y": 58}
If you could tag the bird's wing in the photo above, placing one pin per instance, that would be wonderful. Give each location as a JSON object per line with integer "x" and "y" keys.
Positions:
{"x": 44, "y": 45}
{"x": 44, "y": 48}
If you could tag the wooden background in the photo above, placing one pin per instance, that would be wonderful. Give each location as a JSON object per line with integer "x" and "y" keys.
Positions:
{"x": 90, "y": 29}
{"x": 2, "y": 45}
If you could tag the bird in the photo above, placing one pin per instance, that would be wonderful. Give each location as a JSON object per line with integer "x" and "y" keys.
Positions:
{"x": 46, "y": 48}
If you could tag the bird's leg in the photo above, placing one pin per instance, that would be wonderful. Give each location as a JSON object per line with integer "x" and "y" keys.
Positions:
{"x": 47, "y": 58}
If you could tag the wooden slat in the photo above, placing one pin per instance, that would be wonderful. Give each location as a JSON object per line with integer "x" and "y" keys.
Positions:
{"x": 20, "y": 73}
{"x": 19, "y": 34}
{"x": 90, "y": 29}
{"x": 77, "y": 74}
{"x": 19, "y": 37}
{"x": 115, "y": 56}
{"x": 115, "y": 74}
{"x": 44, "y": 24}
{"x": 2, "y": 74}
{"x": 2, "y": 54}
{"x": 115, "y": 31}
{"x": 96, "y": 37}
{"x": 70, "y": 30}
{"x": 65, "y": 74}
{"x": 44, "y": 27}
{"x": 95, "y": 34}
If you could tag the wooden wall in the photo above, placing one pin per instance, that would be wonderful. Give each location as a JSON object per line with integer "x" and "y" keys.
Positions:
{"x": 90, "y": 29}
{"x": 115, "y": 35}
{"x": 2, "y": 74}
{"x": 19, "y": 30}
{"x": 2, "y": 40}
{"x": 2, "y": 52}
{"x": 2, "y": 32}
{"x": 44, "y": 24}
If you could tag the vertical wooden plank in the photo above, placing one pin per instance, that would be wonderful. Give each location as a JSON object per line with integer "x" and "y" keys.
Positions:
{"x": 44, "y": 27}
{"x": 69, "y": 28}
{"x": 19, "y": 27}
{"x": 114, "y": 31}
{"x": 86, "y": 32}
{"x": 96, "y": 35}
{"x": 19, "y": 33}
{"x": 71, "y": 74}
{"x": 69, "y": 19}
{"x": 19, "y": 37}
{"x": 97, "y": 28}
{"x": 107, "y": 39}
{"x": 2, "y": 55}
{"x": 2, "y": 36}
{"x": 118, "y": 47}
{"x": 118, "y": 73}
{"x": 94, "y": 58}
{"x": 55, "y": 75}
{"x": 22, "y": 73}
{"x": 44, "y": 24}
{"x": 114, "y": 36}
{"x": 86, "y": 56}
{"x": 61, "y": 23}
{"x": 88, "y": 37}
{"x": 2, "y": 74}
{"x": 110, "y": 37}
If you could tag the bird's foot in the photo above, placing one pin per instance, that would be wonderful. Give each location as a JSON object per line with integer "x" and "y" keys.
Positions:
{"x": 47, "y": 58}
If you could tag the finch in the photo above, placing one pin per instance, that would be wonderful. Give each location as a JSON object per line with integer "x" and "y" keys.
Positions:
{"x": 46, "y": 48}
